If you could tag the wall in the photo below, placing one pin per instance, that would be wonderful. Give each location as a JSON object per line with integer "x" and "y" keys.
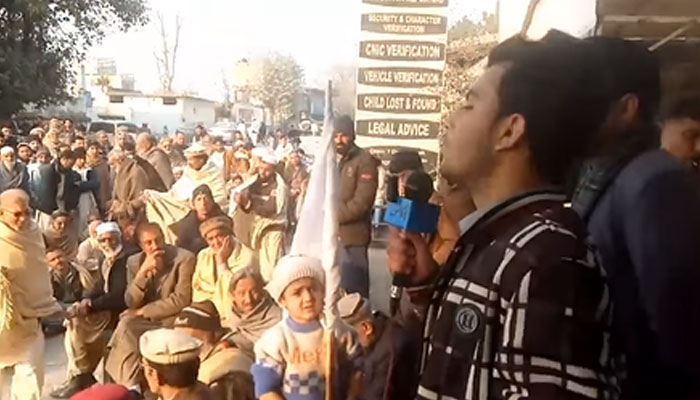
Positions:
{"x": 187, "y": 112}
{"x": 196, "y": 111}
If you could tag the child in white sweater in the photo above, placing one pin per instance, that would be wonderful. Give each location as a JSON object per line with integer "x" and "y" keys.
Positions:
{"x": 290, "y": 356}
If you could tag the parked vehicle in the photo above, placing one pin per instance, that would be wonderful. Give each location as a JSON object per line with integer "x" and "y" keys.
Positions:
{"x": 111, "y": 127}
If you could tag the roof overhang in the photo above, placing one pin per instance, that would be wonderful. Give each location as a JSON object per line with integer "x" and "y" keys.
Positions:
{"x": 651, "y": 20}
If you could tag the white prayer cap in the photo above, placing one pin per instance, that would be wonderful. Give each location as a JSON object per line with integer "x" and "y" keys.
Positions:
{"x": 266, "y": 155}
{"x": 196, "y": 150}
{"x": 259, "y": 151}
{"x": 7, "y": 150}
{"x": 37, "y": 131}
{"x": 107, "y": 227}
{"x": 168, "y": 346}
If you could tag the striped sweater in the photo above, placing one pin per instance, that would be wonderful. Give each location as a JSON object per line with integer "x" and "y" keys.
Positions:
{"x": 289, "y": 359}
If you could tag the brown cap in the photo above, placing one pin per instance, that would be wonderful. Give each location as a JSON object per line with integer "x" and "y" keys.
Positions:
{"x": 220, "y": 222}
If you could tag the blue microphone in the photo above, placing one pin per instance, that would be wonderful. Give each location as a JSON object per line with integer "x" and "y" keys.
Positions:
{"x": 411, "y": 213}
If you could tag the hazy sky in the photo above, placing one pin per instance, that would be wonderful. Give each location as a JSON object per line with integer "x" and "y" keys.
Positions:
{"x": 216, "y": 33}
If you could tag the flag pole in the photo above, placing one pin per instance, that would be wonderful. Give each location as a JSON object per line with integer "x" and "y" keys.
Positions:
{"x": 331, "y": 292}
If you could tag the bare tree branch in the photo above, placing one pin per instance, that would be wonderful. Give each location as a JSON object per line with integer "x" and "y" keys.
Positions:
{"x": 167, "y": 60}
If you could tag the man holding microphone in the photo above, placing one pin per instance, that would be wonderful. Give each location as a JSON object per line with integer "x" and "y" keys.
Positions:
{"x": 521, "y": 294}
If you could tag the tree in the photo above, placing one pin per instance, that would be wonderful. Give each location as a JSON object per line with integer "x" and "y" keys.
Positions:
{"x": 467, "y": 27}
{"x": 464, "y": 63}
{"x": 343, "y": 78}
{"x": 41, "y": 42}
{"x": 278, "y": 81}
{"x": 103, "y": 82}
{"x": 165, "y": 60}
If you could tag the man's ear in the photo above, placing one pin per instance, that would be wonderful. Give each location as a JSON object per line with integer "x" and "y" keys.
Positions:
{"x": 368, "y": 327}
{"x": 629, "y": 108}
{"x": 511, "y": 132}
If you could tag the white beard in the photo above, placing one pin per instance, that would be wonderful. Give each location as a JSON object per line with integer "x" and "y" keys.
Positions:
{"x": 10, "y": 165}
{"x": 112, "y": 253}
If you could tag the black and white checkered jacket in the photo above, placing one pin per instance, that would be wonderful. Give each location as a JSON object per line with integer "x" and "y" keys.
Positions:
{"x": 521, "y": 310}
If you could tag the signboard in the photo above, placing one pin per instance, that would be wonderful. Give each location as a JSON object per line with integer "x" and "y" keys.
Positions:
{"x": 408, "y": 3}
{"x": 404, "y": 24}
{"x": 402, "y": 58}
{"x": 402, "y": 77}
{"x": 384, "y": 153}
{"x": 399, "y": 103}
{"x": 399, "y": 128}
{"x": 401, "y": 50}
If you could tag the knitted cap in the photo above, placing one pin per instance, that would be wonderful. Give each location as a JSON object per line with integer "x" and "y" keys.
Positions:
{"x": 344, "y": 124}
{"x": 291, "y": 268}
{"x": 405, "y": 160}
{"x": 168, "y": 346}
{"x": 202, "y": 315}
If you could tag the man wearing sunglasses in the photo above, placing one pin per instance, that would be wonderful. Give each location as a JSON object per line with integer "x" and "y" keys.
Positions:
{"x": 25, "y": 284}
{"x": 91, "y": 318}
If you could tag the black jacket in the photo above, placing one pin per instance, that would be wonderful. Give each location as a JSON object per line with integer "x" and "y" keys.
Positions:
{"x": 390, "y": 367}
{"x": 358, "y": 188}
{"x": 46, "y": 189}
{"x": 646, "y": 226}
{"x": 113, "y": 300}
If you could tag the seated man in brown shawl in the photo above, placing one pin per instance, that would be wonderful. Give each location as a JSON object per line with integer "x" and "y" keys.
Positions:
{"x": 159, "y": 287}
{"x": 252, "y": 310}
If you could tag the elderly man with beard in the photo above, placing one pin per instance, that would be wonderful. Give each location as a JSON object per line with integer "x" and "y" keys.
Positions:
{"x": 92, "y": 318}
{"x": 103, "y": 140}
{"x": 90, "y": 254}
{"x": 175, "y": 154}
{"x": 159, "y": 287}
{"x": 217, "y": 263}
{"x": 25, "y": 284}
{"x": 262, "y": 206}
{"x": 13, "y": 174}
{"x": 147, "y": 148}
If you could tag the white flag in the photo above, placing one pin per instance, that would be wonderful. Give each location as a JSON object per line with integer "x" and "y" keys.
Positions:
{"x": 317, "y": 230}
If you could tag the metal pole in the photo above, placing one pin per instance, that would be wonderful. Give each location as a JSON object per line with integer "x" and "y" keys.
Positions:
{"x": 672, "y": 36}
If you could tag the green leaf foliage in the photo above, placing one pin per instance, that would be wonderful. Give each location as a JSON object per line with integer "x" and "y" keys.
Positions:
{"x": 42, "y": 41}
